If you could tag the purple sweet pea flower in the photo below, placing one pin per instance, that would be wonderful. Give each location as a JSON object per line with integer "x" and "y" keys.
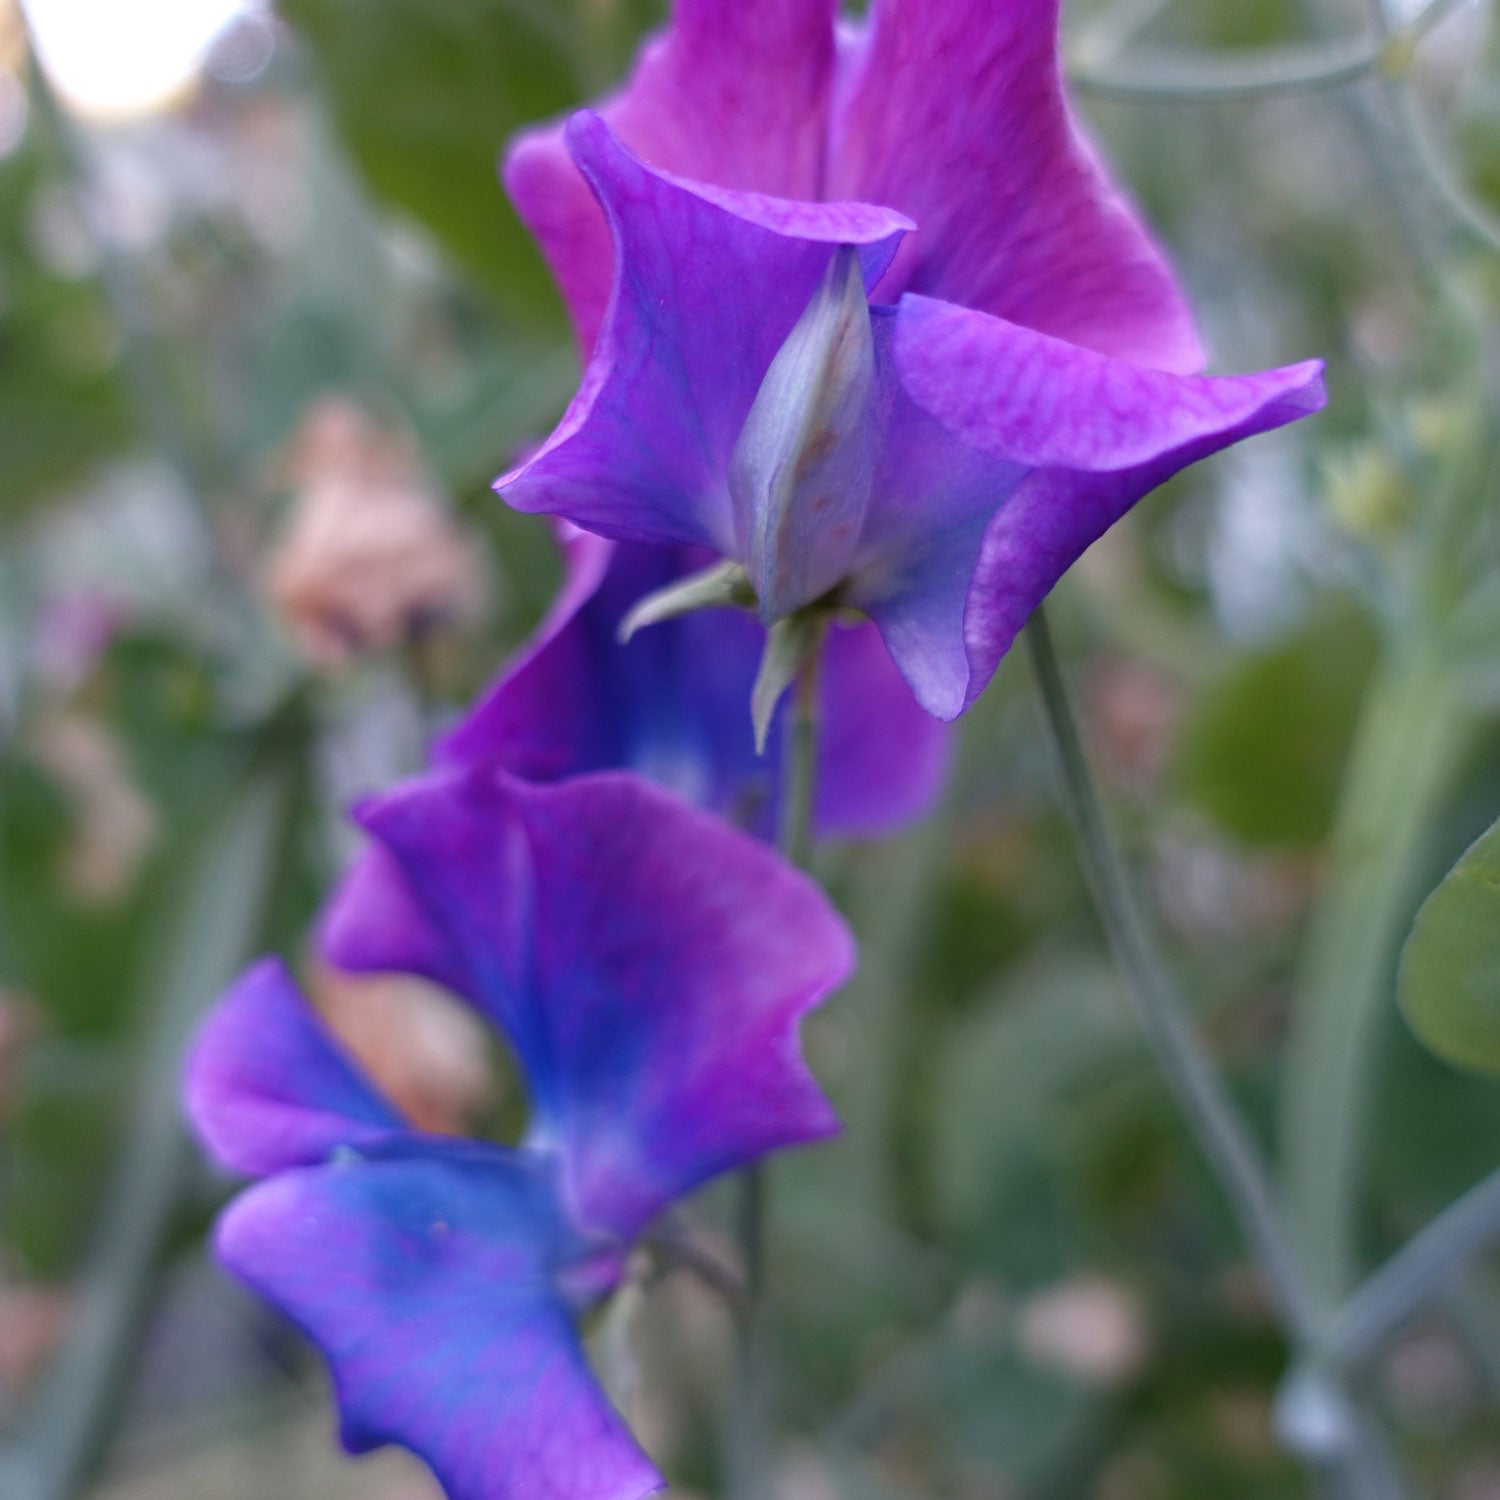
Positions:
{"x": 932, "y": 466}
{"x": 650, "y": 967}
{"x": 670, "y": 704}
{"x": 951, "y": 111}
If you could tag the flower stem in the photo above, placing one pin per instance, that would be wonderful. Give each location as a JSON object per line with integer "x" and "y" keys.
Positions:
{"x": 1415, "y": 1274}
{"x": 795, "y": 838}
{"x": 751, "y": 1442}
{"x": 1406, "y": 748}
{"x": 1220, "y": 1132}
{"x": 1183, "y": 75}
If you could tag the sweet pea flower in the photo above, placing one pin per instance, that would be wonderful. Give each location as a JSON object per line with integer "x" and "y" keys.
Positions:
{"x": 932, "y": 467}
{"x": 922, "y": 407}
{"x": 649, "y": 967}
{"x": 670, "y": 704}
{"x": 950, "y": 111}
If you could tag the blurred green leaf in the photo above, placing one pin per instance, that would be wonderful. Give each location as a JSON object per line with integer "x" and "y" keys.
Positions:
{"x": 1232, "y": 26}
{"x": 1007, "y": 1074}
{"x": 1264, "y": 751}
{"x": 62, "y": 403}
{"x": 1449, "y": 981}
{"x": 427, "y": 96}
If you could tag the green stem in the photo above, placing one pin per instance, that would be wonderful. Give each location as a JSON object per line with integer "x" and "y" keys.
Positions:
{"x": 1406, "y": 749}
{"x": 218, "y": 922}
{"x": 1183, "y": 75}
{"x": 795, "y": 836}
{"x": 1216, "y": 1124}
{"x": 751, "y": 1441}
{"x": 892, "y": 911}
{"x": 1415, "y": 1275}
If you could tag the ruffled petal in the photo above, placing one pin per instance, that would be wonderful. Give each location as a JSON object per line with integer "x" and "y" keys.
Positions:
{"x": 733, "y": 93}
{"x": 430, "y": 1283}
{"x": 955, "y": 114}
{"x": 708, "y": 284}
{"x": 1071, "y": 440}
{"x": 267, "y": 1088}
{"x": 650, "y": 965}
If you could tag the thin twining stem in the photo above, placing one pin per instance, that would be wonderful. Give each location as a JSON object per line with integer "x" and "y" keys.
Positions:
{"x": 1414, "y": 1275}
{"x": 1426, "y": 155}
{"x": 1189, "y": 74}
{"x": 1108, "y": 34}
{"x": 795, "y": 836}
{"x": 751, "y": 1419}
{"x": 1216, "y": 1124}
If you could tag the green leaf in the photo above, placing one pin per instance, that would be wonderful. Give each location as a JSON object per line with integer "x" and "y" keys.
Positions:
{"x": 427, "y": 95}
{"x": 63, "y": 405}
{"x": 1449, "y": 982}
{"x": 1265, "y": 749}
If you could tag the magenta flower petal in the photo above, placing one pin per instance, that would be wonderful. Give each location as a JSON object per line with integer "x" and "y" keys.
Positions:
{"x": 956, "y": 116}
{"x": 710, "y": 284}
{"x": 267, "y": 1088}
{"x": 650, "y": 965}
{"x": 882, "y": 759}
{"x": 1074, "y": 440}
{"x": 671, "y": 705}
{"x": 1043, "y": 403}
{"x": 734, "y": 94}
{"x": 374, "y": 924}
{"x": 430, "y": 1283}
{"x": 552, "y": 712}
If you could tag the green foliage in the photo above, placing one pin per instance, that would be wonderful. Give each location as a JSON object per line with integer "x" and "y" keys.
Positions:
{"x": 1450, "y": 968}
{"x": 1265, "y": 747}
{"x": 427, "y": 96}
{"x": 62, "y": 403}
{"x": 1008, "y": 1072}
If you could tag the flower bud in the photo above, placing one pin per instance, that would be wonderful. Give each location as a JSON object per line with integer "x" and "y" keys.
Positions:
{"x": 801, "y": 472}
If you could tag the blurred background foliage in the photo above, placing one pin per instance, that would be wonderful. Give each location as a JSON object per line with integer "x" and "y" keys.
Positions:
{"x": 267, "y": 330}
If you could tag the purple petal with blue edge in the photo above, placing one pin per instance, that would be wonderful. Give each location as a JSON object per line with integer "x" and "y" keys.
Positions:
{"x": 672, "y": 705}
{"x": 708, "y": 285}
{"x": 430, "y": 1282}
{"x": 1096, "y": 434}
{"x": 956, "y": 115}
{"x": 650, "y": 964}
{"x": 734, "y": 94}
{"x": 267, "y": 1088}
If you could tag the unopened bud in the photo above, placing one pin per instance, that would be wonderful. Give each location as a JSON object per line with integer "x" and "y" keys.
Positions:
{"x": 801, "y": 472}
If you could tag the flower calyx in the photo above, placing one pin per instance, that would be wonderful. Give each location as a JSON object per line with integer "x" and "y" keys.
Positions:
{"x": 726, "y": 585}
